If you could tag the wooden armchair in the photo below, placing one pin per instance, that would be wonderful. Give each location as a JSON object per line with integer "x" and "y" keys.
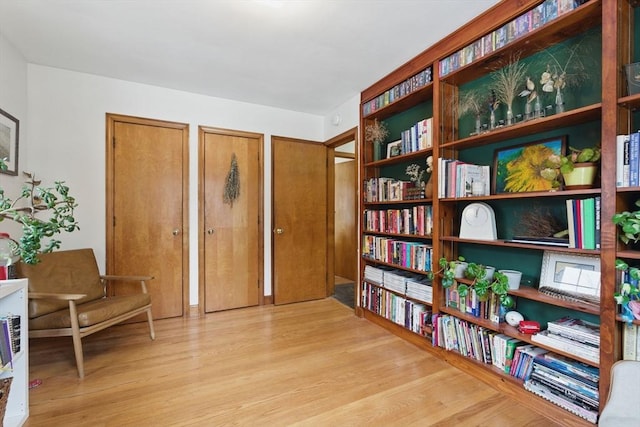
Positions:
{"x": 67, "y": 297}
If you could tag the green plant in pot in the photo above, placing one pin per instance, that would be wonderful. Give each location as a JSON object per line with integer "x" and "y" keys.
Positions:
{"x": 42, "y": 212}
{"x": 499, "y": 283}
{"x": 580, "y": 167}
{"x": 628, "y": 294}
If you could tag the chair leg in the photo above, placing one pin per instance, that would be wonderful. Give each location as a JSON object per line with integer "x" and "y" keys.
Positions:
{"x": 150, "y": 318}
{"x": 77, "y": 340}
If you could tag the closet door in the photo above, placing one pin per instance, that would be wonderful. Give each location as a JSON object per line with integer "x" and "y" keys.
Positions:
{"x": 231, "y": 240}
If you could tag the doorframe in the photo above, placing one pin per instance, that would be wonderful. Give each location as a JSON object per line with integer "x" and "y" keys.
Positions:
{"x": 331, "y": 144}
{"x": 202, "y": 130}
{"x": 111, "y": 119}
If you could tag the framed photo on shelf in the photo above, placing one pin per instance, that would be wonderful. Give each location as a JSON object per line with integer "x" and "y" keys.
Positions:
{"x": 9, "y": 134}
{"x": 394, "y": 149}
{"x": 572, "y": 275}
{"x": 528, "y": 167}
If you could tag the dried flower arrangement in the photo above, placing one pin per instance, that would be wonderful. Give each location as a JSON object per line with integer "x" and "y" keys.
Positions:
{"x": 376, "y": 132}
{"x": 506, "y": 81}
{"x": 232, "y": 182}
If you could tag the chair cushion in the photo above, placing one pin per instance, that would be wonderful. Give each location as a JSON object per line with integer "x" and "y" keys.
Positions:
{"x": 92, "y": 312}
{"x": 620, "y": 409}
{"x": 65, "y": 272}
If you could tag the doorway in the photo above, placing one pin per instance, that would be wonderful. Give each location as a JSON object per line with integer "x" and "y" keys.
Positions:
{"x": 344, "y": 186}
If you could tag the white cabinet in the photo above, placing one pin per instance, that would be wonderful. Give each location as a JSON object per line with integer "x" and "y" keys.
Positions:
{"x": 13, "y": 300}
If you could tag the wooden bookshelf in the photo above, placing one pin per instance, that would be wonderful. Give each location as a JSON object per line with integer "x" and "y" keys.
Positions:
{"x": 603, "y": 114}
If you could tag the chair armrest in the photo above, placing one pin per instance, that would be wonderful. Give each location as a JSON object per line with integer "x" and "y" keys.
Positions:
{"x": 140, "y": 279}
{"x": 125, "y": 278}
{"x": 45, "y": 295}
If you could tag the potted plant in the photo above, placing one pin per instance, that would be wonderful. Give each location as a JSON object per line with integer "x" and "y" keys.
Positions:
{"x": 628, "y": 294}
{"x": 629, "y": 223}
{"x": 498, "y": 284}
{"x": 42, "y": 212}
{"x": 580, "y": 167}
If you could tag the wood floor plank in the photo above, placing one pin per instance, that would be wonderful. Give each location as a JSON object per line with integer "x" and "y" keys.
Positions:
{"x": 307, "y": 364}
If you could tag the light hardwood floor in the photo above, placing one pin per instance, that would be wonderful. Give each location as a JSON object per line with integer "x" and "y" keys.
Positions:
{"x": 306, "y": 364}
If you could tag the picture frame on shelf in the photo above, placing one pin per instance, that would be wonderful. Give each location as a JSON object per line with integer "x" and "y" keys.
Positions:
{"x": 576, "y": 276}
{"x": 9, "y": 139}
{"x": 394, "y": 149}
{"x": 534, "y": 166}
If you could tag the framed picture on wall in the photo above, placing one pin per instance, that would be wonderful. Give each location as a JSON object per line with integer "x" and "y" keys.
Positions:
{"x": 9, "y": 137}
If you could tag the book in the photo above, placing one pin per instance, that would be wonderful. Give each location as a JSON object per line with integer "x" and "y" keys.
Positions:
{"x": 576, "y": 329}
{"x": 622, "y": 161}
{"x": 576, "y": 348}
{"x": 634, "y": 159}
{"x": 544, "y": 392}
{"x": 629, "y": 341}
{"x": 570, "y": 367}
{"x": 534, "y": 240}
{"x": 598, "y": 214}
{"x": 589, "y": 216}
{"x": 571, "y": 223}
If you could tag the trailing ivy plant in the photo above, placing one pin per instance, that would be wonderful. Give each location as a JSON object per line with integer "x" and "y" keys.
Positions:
{"x": 628, "y": 290}
{"x": 629, "y": 223}
{"x": 42, "y": 212}
{"x": 499, "y": 284}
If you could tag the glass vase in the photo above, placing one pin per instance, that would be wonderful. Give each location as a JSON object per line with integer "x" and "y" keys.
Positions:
{"x": 492, "y": 120}
{"x": 559, "y": 101}
{"x": 509, "y": 116}
{"x": 528, "y": 111}
{"x": 478, "y": 125}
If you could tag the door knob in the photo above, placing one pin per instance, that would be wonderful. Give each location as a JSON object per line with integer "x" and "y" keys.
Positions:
{"x": 279, "y": 231}
{"x": 176, "y": 232}
{"x": 210, "y": 231}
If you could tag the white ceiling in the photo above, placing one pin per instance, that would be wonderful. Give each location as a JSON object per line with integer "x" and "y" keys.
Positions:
{"x": 306, "y": 55}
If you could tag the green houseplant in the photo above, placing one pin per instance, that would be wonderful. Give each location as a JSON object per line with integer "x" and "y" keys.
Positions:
{"x": 580, "y": 167}
{"x": 42, "y": 212}
{"x": 628, "y": 293}
{"x": 498, "y": 284}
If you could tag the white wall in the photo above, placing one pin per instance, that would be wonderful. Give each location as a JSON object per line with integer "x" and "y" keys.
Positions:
{"x": 13, "y": 100}
{"x": 348, "y": 115}
{"x": 67, "y": 142}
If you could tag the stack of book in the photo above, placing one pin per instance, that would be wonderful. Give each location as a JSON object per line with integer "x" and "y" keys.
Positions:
{"x": 397, "y": 92}
{"x": 574, "y": 336}
{"x": 567, "y": 383}
{"x": 420, "y": 288}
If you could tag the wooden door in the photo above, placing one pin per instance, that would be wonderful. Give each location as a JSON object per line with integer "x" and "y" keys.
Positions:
{"x": 299, "y": 220}
{"x": 147, "y": 184}
{"x": 231, "y": 233}
{"x": 346, "y": 250}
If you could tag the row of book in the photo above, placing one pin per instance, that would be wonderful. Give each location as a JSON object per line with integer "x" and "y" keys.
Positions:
{"x": 9, "y": 338}
{"x": 417, "y": 137}
{"x": 583, "y": 220}
{"x": 460, "y": 179}
{"x": 402, "y": 282}
{"x": 628, "y": 160}
{"x": 573, "y": 336}
{"x": 513, "y": 30}
{"x": 385, "y": 189}
{"x": 410, "y": 314}
{"x": 413, "y": 255}
{"x": 488, "y": 308}
{"x": 400, "y": 90}
{"x": 568, "y": 383}
{"x": 417, "y": 220}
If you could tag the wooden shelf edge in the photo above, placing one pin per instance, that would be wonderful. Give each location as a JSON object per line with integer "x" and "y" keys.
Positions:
{"x": 527, "y": 195}
{"x": 504, "y": 243}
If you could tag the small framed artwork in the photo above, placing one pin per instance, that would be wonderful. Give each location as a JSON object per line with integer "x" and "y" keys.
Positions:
{"x": 528, "y": 167}
{"x": 394, "y": 149}
{"x": 571, "y": 275}
{"x": 9, "y": 134}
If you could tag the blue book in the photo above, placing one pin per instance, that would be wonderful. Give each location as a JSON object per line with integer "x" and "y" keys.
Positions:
{"x": 634, "y": 158}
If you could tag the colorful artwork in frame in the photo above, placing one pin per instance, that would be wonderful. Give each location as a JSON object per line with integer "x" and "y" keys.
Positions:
{"x": 9, "y": 132}
{"x": 528, "y": 167}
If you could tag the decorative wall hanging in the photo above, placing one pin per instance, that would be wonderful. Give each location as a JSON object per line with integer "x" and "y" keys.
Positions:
{"x": 232, "y": 182}
{"x": 9, "y": 133}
